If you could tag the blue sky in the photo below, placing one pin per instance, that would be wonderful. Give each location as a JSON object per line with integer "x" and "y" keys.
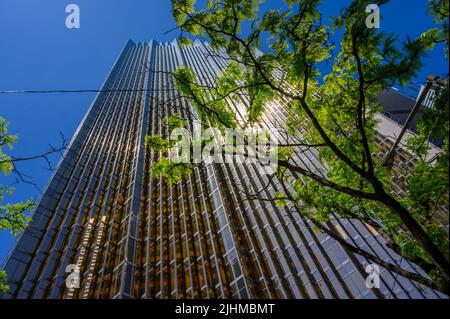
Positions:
{"x": 37, "y": 51}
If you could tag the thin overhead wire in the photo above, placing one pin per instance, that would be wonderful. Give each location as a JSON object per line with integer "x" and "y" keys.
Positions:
{"x": 73, "y": 91}
{"x": 409, "y": 87}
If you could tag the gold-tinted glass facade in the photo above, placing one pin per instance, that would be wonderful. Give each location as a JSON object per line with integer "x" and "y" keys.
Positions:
{"x": 136, "y": 236}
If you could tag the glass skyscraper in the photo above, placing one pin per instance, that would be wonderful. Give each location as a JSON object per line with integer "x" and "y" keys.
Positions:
{"x": 135, "y": 236}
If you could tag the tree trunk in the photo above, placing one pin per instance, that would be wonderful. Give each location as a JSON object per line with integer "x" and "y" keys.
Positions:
{"x": 418, "y": 232}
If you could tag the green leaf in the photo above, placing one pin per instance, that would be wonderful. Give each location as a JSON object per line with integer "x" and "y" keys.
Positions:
{"x": 170, "y": 171}
{"x": 184, "y": 41}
